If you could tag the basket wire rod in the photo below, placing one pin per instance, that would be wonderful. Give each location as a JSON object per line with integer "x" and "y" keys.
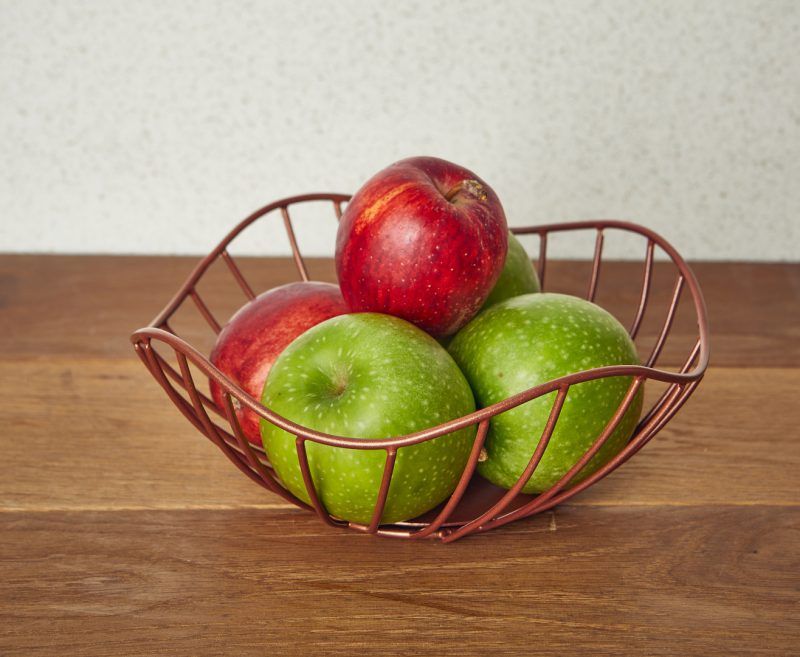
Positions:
{"x": 503, "y": 502}
{"x": 649, "y": 427}
{"x": 308, "y": 480}
{"x": 536, "y": 504}
{"x": 541, "y": 263}
{"x": 237, "y": 274}
{"x": 204, "y": 311}
{"x": 657, "y": 422}
{"x": 662, "y": 338}
{"x": 686, "y": 391}
{"x": 139, "y": 348}
{"x": 395, "y": 532}
{"x": 630, "y": 450}
{"x": 596, "y": 261}
{"x": 187, "y": 381}
{"x": 698, "y": 301}
{"x": 419, "y": 436}
{"x": 692, "y": 357}
{"x": 149, "y": 356}
{"x": 672, "y": 390}
{"x": 644, "y": 432}
{"x": 666, "y": 398}
{"x": 612, "y": 465}
{"x": 244, "y": 444}
{"x": 298, "y": 259}
{"x": 186, "y": 409}
{"x": 174, "y": 396}
{"x": 209, "y": 428}
{"x": 383, "y": 492}
{"x": 156, "y": 364}
{"x": 260, "y": 469}
{"x": 175, "y": 376}
{"x": 647, "y": 278}
{"x": 337, "y": 208}
{"x": 458, "y": 493}
{"x": 201, "y": 267}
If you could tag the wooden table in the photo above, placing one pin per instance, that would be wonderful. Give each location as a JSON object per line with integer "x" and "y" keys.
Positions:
{"x": 126, "y": 533}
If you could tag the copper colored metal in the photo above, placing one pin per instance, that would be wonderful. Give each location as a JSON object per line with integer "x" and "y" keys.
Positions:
{"x": 475, "y": 505}
{"x": 598, "y": 257}
{"x": 298, "y": 259}
{"x": 648, "y": 275}
{"x": 237, "y": 274}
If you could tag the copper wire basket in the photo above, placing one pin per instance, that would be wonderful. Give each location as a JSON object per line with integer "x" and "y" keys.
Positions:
{"x": 475, "y": 505}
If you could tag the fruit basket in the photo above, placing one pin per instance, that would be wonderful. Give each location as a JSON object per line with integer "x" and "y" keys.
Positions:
{"x": 184, "y": 372}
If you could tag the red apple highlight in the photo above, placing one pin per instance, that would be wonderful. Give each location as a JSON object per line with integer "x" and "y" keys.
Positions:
{"x": 425, "y": 240}
{"x": 256, "y": 335}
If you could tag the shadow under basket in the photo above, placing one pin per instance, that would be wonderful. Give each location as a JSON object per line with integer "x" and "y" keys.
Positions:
{"x": 475, "y": 505}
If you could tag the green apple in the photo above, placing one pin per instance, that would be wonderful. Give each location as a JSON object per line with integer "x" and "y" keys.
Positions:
{"x": 531, "y": 339}
{"x": 370, "y": 376}
{"x": 517, "y": 277}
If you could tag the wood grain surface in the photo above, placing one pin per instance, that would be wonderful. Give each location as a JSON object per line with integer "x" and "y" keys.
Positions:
{"x": 122, "y": 531}
{"x": 88, "y": 306}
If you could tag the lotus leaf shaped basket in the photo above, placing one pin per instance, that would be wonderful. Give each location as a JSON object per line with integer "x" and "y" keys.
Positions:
{"x": 475, "y": 505}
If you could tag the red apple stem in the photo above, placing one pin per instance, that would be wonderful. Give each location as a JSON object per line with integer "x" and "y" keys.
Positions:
{"x": 471, "y": 187}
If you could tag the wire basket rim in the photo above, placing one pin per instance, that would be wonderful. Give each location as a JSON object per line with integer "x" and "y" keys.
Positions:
{"x": 142, "y": 337}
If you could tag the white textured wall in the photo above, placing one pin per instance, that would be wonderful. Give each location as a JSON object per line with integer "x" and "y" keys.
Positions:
{"x": 151, "y": 127}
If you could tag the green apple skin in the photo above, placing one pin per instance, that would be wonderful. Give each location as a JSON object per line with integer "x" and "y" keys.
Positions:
{"x": 529, "y": 340}
{"x": 517, "y": 277}
{"x": 370, "y": 376}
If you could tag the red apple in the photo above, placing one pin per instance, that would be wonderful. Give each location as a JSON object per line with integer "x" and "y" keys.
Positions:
{"x": 424, "y": 240}
{"x": 259, "y": 331}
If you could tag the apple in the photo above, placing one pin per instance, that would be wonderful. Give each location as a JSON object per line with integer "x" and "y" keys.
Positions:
{"x": 531, "y": 339}
{"x": 424, "y": 240}
{"x": 369, "y": 376}
{"x": 259, "y": 331}
{"x": 518, "y": 276}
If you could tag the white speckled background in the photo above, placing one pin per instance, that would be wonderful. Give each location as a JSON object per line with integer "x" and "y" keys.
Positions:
{"x": 151, "y": 127}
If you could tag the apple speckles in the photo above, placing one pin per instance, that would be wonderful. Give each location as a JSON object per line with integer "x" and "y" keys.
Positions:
{"x": 400, "y": 381}
{"x": 538, "y": 336}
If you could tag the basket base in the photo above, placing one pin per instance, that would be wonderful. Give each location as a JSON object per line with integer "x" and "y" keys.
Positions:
{"x": 478, "y": 497}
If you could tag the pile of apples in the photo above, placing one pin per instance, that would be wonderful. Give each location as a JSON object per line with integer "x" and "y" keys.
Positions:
{"x": 437, "y": 312}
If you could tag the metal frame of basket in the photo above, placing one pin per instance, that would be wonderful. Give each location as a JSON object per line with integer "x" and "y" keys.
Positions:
{"x": 474, "y": 506}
